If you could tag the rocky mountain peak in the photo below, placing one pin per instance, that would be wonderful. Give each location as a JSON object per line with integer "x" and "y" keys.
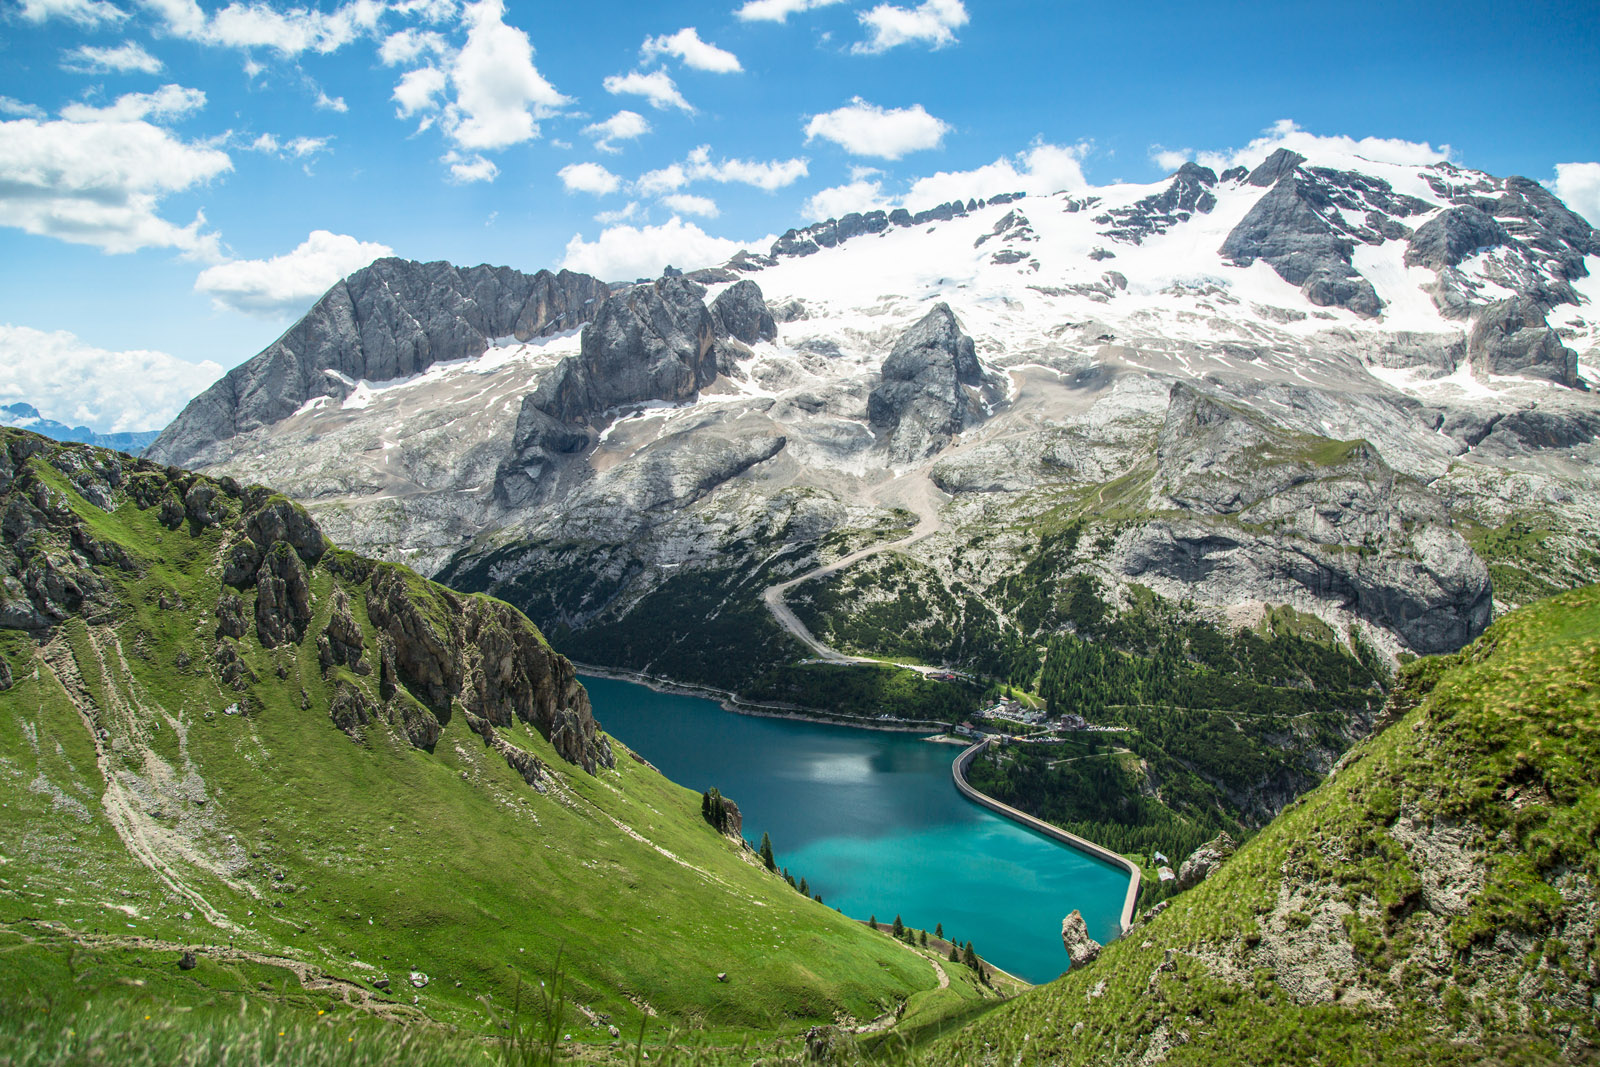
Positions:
{"x": 933, "y": 387}
{"x": 1272, "y": 169}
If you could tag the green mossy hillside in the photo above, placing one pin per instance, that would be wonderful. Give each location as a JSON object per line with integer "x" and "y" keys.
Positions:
{"x": 1433, "y": 902}
{"x": 219, "y": 733}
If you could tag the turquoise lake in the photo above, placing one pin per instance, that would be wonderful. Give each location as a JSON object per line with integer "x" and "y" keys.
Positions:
{"x": 874, "y": 823}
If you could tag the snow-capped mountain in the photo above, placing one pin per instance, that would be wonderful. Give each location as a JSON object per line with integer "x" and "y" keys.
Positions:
{"x": 1338, "y": 384}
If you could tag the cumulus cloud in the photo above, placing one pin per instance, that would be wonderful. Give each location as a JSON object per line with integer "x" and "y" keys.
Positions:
{"x": 860, "y": 195}
{"x": 865, "y": 129}
{"x": 288, "y": 32}
{"x": 72, "y": 381}
{"x": 689, "y": 204}
{"x": 418, "y": 90}
{"x": 1170, "y": 158}
{"x": 770, "y": 175}
{"x": 665, "y": 180}
{"x": 1042, "y": 169}
{"x": 622, "y": 214}
{"x": 1285, "y": 133}
{"x": 1579, "y": 185}
{"x": 100, "y": 180}
{"x": 288, "y": 283}
{"x": 778, "y": 10}
{"x": 687, "y": 46}
{"x": 12, "y": 106}
{"x": 655, "y": 87}
{"x": 298, "y": 147}
{"x": 331, "y": 103}
{"x": 623, "y": 126}
{"x": 409, "y": 45}
{"x": 589, "y": 178}
{"x": 86, "y": 13}
{"x": 466, "y": 169}
{"x": 126, "y": 58}
{"x": 622, "y": 252}
{"x": 932, "y": 22}
{"x": 168, "y": 103}
{"x": 500, "y": 96}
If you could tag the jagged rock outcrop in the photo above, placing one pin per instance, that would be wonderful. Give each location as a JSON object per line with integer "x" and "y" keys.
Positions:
{"x": 1453, "y": 235}
{"x": 392, "y": 319}
{"x": 437, "y": 651}
{"x": 1513, "y": 337}
{"x": 657, "y": 341}
{"x": 1188, "y": 194}
{"x": 1081, "y": 948}
{"x": 741, "y": 312}
{"x": 1204, "y": 860}
{"x": 1290, "y": 229}
{"x": 933, "y": 388}
{"x": 1272, "y": 169}
{"x": 1329, "y": 518}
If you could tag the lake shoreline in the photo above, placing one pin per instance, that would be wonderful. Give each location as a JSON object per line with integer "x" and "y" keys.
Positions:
{"x": 731, "y": 701}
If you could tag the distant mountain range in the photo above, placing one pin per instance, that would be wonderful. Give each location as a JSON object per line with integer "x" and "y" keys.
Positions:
{"x": 27, "y": 417}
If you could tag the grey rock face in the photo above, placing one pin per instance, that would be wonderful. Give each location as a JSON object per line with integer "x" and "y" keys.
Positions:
{"x": 1188, "y": 195}
{"x": 1081, "y": 948}
{"x": 740, "y": 312}
{"x": 1205, "y": 860}
{"x": 933, "y": 387}
{"x": 1513, "y": 337}
{"x": 649, "y": 342}
{"x": 1289, "y": 229}
{"x": 1329, "y": 518}
{"x": 1274, "y": 167}
{"x": 1453, "y": 235}
{"x": 390, "y": 320}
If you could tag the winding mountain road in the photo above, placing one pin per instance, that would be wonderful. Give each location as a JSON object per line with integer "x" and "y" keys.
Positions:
{"x": 914, "y": 492}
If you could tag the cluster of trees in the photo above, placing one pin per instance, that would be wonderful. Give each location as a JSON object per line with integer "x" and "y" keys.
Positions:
{"x": 714, "y": 808}
{"x": 962, "y": 954}
{"x": 770, "y": 861}
{"x": 867, "y": 690}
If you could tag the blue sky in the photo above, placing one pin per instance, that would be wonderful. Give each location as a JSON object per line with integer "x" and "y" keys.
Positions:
{"x": 180, "y": 180}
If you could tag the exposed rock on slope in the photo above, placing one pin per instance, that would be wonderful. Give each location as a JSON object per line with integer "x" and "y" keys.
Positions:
{"x": 389, "y": 320}
{"x": 933, "y": 388}
{"x": 1513, "y": 337}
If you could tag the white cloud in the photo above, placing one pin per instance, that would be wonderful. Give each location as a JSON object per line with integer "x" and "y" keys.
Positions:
{"x": 832, "y": 203}
{"x": 298, "y": 147}
{"x": 125, "y": 58}
{"x": 466, "y": 169}
{"x": 72, "y": 381}
{"x": 933, "y": 22}
{"x": 12, "y": 106}
{"x": 665, "y": 180}
{"x": 1579, "y": 185}
{"x": 170, "y": 102}
{"x": 1042, "y": 169}
{"x": 865, "y": 129}
{"x": 607, "y": 218}
{"x": 331, "y": 103}
{"x": 100, "y": 182}
{"x": 289, "y": 283}
{"x": 622, "y": 252}
{"x": 623, "y": 126}
{"x": 1170, "y": 158}
{"x": 771, "y": 175}
{"x": 427, "y": 10}
{"x": 500, "y": 94}
{"x": 655, "y": 87}
{"x": 689, "y": 204}
{"x": 408, "y": 45}
{"x": 589, "y": 178}
{"x": 258, "y": 25}
{"x": 687, "y": 46}
{"x": 86, "y": 13}
{"x": 1332, "y": 150}
{"x": 416, "y": 91}
{"x": 778, "y": 10}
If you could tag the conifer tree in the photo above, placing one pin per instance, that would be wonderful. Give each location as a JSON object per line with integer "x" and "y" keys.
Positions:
{"x": 968, "y": 956}
{"x": 766, "y": 852}
{"x": 938, "y": 930}
{"x": 873, "y": 922}
{"x": 899, "y": 927}
{"x": 805, "y": 890}
{"x": 954, "y": 956}
{"x": 922, "y": 938}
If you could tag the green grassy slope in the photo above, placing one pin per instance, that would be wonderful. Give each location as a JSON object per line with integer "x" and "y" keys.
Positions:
{"x": 1434, "y": 902}
{"x": 156, "y": 796}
